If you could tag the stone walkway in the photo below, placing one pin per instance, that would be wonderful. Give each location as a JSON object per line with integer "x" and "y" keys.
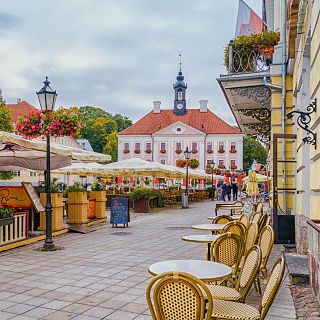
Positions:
{"x": 103, "y": 274}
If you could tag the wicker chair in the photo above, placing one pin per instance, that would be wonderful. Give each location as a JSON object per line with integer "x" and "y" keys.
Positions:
{"x": 178, "y": 296}
{"x": 259, "y": 208}
{"x": 256, "y": 218}
{"x": 245, "y": 219}
{"x": 263, "y": 222}
{"x": 223, "y": 219}
{"x": 244, "y": 282}
{"x": 236, "y": 227}
{"x": 228, "y": 249}
{"x": 265, "y": 242}
{"x": 239, "y": 311}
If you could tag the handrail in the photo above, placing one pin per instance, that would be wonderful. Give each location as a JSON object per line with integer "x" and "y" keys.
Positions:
{"x": 313, "y": 225}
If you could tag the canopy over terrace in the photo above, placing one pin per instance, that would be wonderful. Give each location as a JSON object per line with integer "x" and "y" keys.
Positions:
{"x": 17, "y": 152}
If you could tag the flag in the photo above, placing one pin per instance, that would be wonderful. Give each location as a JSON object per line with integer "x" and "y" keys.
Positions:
{"x": 248, "y": 21}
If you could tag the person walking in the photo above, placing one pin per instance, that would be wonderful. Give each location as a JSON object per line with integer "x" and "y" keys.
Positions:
{"x": 224, "y": 191}
{"x": 235, "y": 191}
{"x": 228, "y": 187}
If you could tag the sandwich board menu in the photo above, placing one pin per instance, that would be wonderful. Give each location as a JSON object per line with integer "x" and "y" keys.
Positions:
{"x": 119, "y": 213}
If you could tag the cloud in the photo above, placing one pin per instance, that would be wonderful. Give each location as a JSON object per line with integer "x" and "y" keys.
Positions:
{"x": 117, "y": 54}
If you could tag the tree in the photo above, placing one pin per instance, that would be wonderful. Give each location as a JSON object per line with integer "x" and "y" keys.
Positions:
{"x": 89, "y": 113}
{"x": 5, "y": 117}
{"x": 123, "y": 122}
{"x": 253, "y": 150}
{"x": 111, "y": 146}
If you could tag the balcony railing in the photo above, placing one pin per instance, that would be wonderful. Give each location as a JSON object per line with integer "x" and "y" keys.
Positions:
{"x": 254, "y": 60}
{"x": 15, "y": 231}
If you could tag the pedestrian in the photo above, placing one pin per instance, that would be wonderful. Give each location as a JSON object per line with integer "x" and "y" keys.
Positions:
{"x": 234, "y": 191}
{"x": 228, "y": 187}
{"x": 224, "y": 191}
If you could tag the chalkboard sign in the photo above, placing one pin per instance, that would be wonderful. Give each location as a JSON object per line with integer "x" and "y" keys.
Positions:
{"x": 33, "y": 196}
{"x": 119, "y": 211}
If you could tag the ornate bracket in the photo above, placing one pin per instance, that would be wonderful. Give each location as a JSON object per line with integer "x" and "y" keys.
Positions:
{"x": 261, "y": 114}
{"x": 303, "y": 121}
{"x": 262, "y": 128}
{"x": 258, "y": 94}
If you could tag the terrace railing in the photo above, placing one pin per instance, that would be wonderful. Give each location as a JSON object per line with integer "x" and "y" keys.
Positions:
{"x": 15, "y": 231}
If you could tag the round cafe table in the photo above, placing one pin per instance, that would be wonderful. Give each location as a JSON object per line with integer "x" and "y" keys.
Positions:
{"x": 204, "y": 270}
{"x": 209, "y": 227}
{"x": 202, "y": 238}
{"x": 237, "y": 217}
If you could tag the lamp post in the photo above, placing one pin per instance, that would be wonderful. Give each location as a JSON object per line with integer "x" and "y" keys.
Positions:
{"x": 212, "y": 164}
{"x": 47, "y": 98}
{"x": 187, "y": 154}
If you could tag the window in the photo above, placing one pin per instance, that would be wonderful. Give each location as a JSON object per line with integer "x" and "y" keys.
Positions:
{"x": 209, "y": 146}
{"x": 32, "y": 174}
{"x": 233, "y": 147}
{"x": 178, "y": 146}
{"x": 194, "y": 146}
{"x": 233, "y": 164}
{"x": 126, "y": 145}
{"x": 137, "y": 146}
{"x": 221, "y": 164}
{"x": 17, "y": 173}
{"x": 163, "y": 161}
{"x": 163, "y": 146}
{"x": 208, "y": 163}
{"x": 148, "y": 146}
{"x": 221, "y": 146}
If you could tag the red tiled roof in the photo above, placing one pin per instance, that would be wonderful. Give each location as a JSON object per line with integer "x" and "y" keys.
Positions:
{"x": 19, "y": 108}
{"x": 206, "y": 122}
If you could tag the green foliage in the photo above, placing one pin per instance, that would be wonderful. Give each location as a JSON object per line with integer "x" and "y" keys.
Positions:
{"x": 193, "y": 163}
{"x": 5, "y": 117}
{"x": 6, "y": 211}
{"x": 123, "y": 122}
{"x": 247, "y": 43}
{"x": 6, "y": 175}
{"x": 90, "y": 113}
{"x": 253, "y": 150}
{"x": 111, "y": 146}
{"x": 76, "y": 188}
{"x": 97, "y": 186}
{"x": 140, "y": 193}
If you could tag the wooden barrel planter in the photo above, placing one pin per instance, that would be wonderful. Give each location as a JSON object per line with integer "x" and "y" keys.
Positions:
{"x": 77, "y": 207}
{"x": 100, "y": 198}
{"x": 141, "y": 205}
{"x": 57, "y": 211}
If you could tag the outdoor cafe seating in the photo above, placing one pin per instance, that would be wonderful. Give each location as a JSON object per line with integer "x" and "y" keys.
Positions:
{"x": 237, "y": 259}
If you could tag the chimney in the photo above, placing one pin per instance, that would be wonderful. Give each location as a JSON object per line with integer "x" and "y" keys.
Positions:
{"x": 156, "y": 106}
{"x": 203, "y": 105}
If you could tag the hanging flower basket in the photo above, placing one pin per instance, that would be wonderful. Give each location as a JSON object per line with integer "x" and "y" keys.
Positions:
{"x": 209, "y": 151}
{"x": 63, "y": 122}
{"x": 217, "y": 171}
{"x": 181, "y": 163}
{"x": 178, "y": 151}
{"x": 126, "y": 151}
{"x": 209, "y": 170}
{"x": 193, "y": 163}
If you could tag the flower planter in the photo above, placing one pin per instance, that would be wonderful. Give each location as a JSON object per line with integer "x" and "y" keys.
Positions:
{"x": 126, "y": 151}
{"x": 162, "y": 151}
{"x": 6, "y": 221}
{"x": 209, "y": 151}
{"x": 77, "y": 207}
{"x": 194, "y": 151}
{"x": 57, "y": 211}
{"x": 137, "y": 151}
{"x": 233, "y": 151}
{"x": 178, "y": 151}
{"x": 141, "y": 205}
{"x": 148, "y": 151}
{"x": 221, "y": 151}
{"x": 91, "y": 213}
{"x": 100, "y": 198}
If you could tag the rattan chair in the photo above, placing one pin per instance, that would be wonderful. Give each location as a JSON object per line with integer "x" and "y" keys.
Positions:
{"x": 178, "y": 296}
{"x": 265, "y": 242}
{"x": 259, "y": 208}
{"x": 223, "y": 219}
{"x": 244, "y": 282}
{"x": 263, "y": 222}
{"x": 236, "y": 227}
{"x": 245, "y": 219}
{"x": 228, "y": 249}
{"x": 256, "y": 218}
{"x": 239, "y": 311}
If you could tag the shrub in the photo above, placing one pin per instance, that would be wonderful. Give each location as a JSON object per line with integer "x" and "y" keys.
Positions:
{"x": 77, "y": 187}
{"x": 97, "y": 186}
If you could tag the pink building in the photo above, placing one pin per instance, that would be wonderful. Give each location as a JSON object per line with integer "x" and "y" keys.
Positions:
{"x": 162, "y": 135}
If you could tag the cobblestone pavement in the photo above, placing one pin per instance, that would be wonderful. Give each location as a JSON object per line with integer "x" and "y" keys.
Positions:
{"x": 306, "y": 304}
{"x": 103, "y": 274}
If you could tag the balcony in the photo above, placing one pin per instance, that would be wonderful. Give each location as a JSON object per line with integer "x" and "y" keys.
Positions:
{"x": 247, "y": 61}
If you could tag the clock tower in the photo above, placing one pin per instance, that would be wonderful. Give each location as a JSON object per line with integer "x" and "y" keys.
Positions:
{"x": 180, "y": 106}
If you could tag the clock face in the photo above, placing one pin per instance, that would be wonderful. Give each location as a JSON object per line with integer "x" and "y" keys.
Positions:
{"x": 179, "y": 106}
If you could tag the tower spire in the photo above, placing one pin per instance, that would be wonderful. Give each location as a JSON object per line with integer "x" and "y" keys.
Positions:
{"x": 180, "y": 63}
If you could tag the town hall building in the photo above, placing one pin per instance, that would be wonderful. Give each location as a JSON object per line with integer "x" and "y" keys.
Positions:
{"x": 163, "y": 134}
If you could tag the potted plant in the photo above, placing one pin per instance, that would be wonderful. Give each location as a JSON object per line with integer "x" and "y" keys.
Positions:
{"x": 181, "y": 163}
{"x": 194, "y": 151}
{"x": 140, "y": 197}
{"x": 210, "y": 151}
{"x": 99, "y": 194}
{"x": 137, "y": 151}
{"x": 178, "y": 151}
{"x": 77, "y": 204}
{"x": 7, "y": 213}
{"x": 57, "y": 207}
{"x": 221, "y": 151}
{"x": 148, "y": 151}
{"x": 162, "y": 151}
{"x": 147, "y": 181}
{"x": 126, "y": 151}
{"x": 233, "y": 151}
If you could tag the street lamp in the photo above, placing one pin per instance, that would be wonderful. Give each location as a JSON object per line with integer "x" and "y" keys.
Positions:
{"x": 212, "y": 164}
{"x": 47, "y": 98}
{"x": 187, "y": 154}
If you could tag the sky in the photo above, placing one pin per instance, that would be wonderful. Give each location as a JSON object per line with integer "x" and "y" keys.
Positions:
{"x": 120, "y": 55}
